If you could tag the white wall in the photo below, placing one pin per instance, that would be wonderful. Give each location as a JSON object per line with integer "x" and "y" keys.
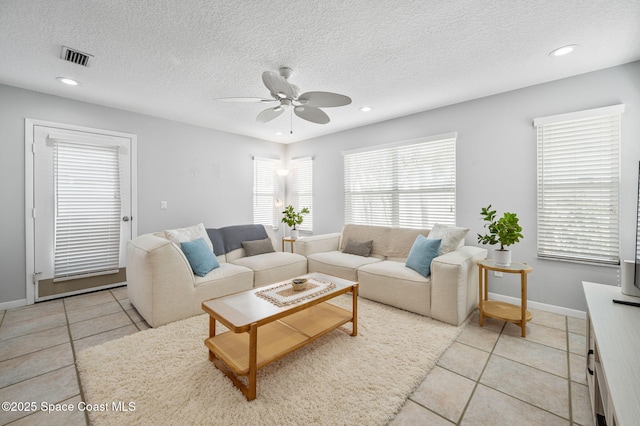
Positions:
{"x": 204, "y": 175}
{"x": 496, "y": 163}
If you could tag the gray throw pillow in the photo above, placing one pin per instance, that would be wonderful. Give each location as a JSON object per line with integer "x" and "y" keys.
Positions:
{"x": 252, "y": 248}
{"x": 361, "y": 248}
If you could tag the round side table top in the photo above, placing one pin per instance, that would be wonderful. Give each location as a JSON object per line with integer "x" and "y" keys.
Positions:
{"x": 514, "y": 267}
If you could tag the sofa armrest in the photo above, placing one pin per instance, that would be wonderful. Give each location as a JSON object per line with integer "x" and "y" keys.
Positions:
{"x": 317, "y": 244}
{"x": 454, "y": 284}
{"x": 157, "y": 270}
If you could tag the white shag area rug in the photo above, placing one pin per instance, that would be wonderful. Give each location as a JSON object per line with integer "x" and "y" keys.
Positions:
{"x": 336, "y": 380}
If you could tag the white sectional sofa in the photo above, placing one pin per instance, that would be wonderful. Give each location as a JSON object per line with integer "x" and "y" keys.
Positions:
{"x": 448, "y": 294}
{"x": 163, "y": 288}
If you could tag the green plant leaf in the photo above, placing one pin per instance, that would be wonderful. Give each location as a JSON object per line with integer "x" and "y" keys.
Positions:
{"x": 505, "y": 231}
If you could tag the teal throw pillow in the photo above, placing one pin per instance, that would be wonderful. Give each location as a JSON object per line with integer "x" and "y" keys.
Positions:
{"x": 422, "y": 253}
{"x": 200, "y": 256}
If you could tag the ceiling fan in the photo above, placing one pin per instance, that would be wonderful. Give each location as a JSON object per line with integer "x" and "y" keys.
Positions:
{"x": 306, "y": 105}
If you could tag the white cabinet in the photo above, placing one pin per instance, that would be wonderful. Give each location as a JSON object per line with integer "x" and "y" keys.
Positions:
{"x": 613, "y": 357}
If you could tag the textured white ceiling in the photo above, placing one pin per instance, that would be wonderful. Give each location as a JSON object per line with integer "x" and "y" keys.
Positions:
{"x": 172, "y": 58}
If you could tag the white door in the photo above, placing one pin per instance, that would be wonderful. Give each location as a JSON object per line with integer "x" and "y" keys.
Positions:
{"x": 100, "y": 151}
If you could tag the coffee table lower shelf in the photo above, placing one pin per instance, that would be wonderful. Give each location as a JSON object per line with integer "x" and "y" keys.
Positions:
{"x": 275, "y": 339}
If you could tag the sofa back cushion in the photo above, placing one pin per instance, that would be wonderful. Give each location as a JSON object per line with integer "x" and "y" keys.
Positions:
{"x": 190, "y": 233}
{"x": 393, "y": 243}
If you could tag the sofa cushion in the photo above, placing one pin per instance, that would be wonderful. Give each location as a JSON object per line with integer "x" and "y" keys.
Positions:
{"x": 226, "y": 271}
{"x": 270, "y": 268}
{"x": 422, "y": 253}
{"x": 339, "y": 264}
{"x": 200, "y": 256}
{"x": 452, "y": 237}
{"x": 360, "y": 248}
{"x": 393, "y": 283}
{"x": 254, "y": 248}
{"x": 387, "y": 241}
{"x": 190, "y": 233}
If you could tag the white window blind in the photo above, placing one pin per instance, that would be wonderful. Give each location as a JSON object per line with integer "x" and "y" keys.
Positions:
{"x": 265, "y": 189}
{"x": 302, "y": 189}
{"x": 87, "y": 210}
{"x": 578, "y": 185}
{"x": 409, "y": 185}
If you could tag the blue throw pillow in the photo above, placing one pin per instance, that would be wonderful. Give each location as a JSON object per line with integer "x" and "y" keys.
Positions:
{"x": 200, "y": 256}
{"x": 422, "y": 253}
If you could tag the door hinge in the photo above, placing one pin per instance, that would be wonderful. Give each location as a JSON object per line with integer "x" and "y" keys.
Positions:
{"x": 35, "y": 277}
{"x": 33, "y": 213}
{"x": 33, "y": 148}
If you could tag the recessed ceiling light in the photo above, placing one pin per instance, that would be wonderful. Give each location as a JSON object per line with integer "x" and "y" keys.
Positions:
{"x": 279, "y": 133}
{"x": 563, "y": 50}
{"x": 365, "y": 108}
{"x": 68, "y": 81}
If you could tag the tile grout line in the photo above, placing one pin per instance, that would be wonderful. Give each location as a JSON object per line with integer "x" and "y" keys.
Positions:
{"x": 75, "y": 361}
{"x": 507, "y": 394}
{"x": 135, "y": 324}
{"x": 569, "y": 374}
{"x": 475, "y": 386}
{"x": 458, "y": 374}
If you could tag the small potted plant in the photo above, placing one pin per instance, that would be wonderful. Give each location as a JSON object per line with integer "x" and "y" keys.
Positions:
{"x": 293, "y": 219}
{"x": 504, "y": 231}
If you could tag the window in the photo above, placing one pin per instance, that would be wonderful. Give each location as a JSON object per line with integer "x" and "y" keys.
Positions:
{"x": 411, "y": 184}
{"x": 302, "y": 189}
{"x": 578, "y": 185}
{"x": 265, "y": 191}
{"x": 87, "y": 210}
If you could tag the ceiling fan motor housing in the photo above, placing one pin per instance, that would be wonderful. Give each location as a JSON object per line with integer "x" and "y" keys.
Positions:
{"x": 286, "y": 72}
{"x": 306, "y": 105}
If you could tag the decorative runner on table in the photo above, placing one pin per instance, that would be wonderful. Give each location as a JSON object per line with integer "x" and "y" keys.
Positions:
{"x": 284, "y": 295}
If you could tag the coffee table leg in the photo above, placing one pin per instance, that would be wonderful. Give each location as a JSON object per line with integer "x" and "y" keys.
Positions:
{"x": 212, "y": 332}
{"x": 253, "y": 357}
{"x": 354, "y": 310}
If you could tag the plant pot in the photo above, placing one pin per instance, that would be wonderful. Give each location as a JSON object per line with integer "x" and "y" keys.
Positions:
{"x": 294, "y": 234}
{"x": 502, "y": 257}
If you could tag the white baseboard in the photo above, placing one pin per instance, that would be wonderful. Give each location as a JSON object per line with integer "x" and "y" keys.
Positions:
{"x": 541, "y": 306}
{"x": 13, "y": 304}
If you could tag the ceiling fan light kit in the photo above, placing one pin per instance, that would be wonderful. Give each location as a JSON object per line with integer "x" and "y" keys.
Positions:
{"x": 306, "y": 105}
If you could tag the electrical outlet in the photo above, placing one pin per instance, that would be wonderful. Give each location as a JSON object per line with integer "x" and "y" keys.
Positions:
{"x": 497, "y": 274}
{"x": 163, "y": 205}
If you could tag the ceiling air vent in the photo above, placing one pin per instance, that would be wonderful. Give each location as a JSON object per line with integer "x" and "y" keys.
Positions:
{"x": 75, "y": 56}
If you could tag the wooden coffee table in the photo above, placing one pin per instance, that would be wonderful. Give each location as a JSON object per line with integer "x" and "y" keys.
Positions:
{"x": 260, "y": 331}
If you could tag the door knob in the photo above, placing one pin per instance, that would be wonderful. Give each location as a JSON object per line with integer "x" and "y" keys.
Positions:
{"x": 126, "y": 218}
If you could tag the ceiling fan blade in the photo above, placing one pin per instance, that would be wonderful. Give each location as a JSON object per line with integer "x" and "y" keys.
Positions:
{"x": 324, "y": 99}
{"x": 311, "y": 113}
{"x": 277, "y": 85}
{"x": 269, "y": 114}
{"x": 240, "y": 99}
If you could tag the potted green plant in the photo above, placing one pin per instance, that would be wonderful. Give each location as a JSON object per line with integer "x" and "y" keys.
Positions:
{"x": 504, "y": 231}
{"x": 291, "y": 218}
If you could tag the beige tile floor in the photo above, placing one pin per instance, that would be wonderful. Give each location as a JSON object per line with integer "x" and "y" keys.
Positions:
{"x": 492, "y": 376}
{"x": 489, "y": 376}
